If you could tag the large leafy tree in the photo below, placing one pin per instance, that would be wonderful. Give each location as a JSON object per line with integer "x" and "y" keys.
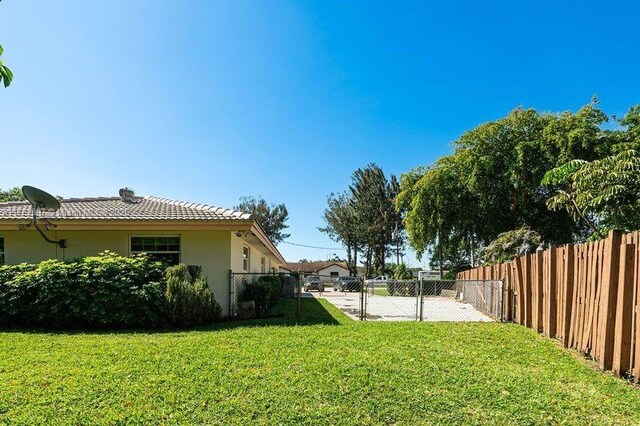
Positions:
{"x": 439, "y": 207}
{"x": 364, "y": 219}
{"x": 512, "y": 244}
{"x": 373, "y": 201}
{"x": 272, "y": 218}
{"x": 342, "y": 226}
{"x": 509, "y": 157}
{"x": 491, "y": 184}
{"x": 11, "y": 194}
{"x": 602, "y": 194}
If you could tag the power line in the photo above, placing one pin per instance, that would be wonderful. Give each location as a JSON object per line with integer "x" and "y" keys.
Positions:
{"x": 313, "y": 247}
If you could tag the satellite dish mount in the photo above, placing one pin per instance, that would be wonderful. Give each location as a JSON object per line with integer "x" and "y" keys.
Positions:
{"x": 41, "y": 200}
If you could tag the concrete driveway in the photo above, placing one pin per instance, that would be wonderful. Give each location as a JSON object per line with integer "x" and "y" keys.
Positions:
{"x": 398, "y": 308}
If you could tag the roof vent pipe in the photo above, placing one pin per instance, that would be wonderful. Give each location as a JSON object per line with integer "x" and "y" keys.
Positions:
{"x": 126, "y": 195}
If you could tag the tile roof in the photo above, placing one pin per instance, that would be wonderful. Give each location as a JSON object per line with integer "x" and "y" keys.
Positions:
{"x": 311, "y": 266}
{"x": 113, "y": 208}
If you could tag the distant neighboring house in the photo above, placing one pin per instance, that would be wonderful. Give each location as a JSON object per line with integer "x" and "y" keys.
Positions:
{"x": 334, "y": 269}
{"x": 220, "y": 240}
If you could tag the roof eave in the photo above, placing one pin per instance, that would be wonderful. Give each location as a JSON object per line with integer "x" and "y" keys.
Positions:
{"x": 134, "y": 224}
{"x": 262, "y": 236}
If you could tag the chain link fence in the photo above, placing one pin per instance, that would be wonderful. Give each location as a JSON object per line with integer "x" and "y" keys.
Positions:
{"x": 238, "y": 282}
{"x": 433, "y": 300}
{"x": 484, "y": 295}
{"x": 393, "y": 300}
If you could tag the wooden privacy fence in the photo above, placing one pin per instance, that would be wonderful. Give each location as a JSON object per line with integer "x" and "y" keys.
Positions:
{"x": 586, "y": 295}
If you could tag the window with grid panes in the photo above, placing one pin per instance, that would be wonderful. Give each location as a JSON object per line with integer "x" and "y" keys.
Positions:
{"x": 163, "y": 248}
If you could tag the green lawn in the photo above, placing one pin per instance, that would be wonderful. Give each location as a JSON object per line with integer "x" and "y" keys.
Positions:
{"x": 330, "y": 371}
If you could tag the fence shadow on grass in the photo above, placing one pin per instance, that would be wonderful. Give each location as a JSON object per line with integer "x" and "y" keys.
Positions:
{"x": 313, "y": 312}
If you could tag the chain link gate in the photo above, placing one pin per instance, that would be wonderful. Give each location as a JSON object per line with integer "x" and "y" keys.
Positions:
{"x": 432, "y": 300}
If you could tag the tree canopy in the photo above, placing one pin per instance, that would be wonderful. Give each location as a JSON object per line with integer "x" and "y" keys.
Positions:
{"x": 11, "y": 194}
{"x": 603, "y": 193}
{"x": 493, "y": 182}
{"x": 364, "y": 219}
{"x": 272, "y": 218}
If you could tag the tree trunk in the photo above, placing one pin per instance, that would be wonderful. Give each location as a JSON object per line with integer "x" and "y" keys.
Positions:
{"x": 440, "y": 254}
{"x": 367, "y": 267}
{"x": 355, "y": 260}
{"x": 473, "y": 260}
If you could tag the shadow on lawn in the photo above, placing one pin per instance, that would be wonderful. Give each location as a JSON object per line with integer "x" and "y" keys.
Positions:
{"x": 284, "y": 314}
{"x": 313, "y": 312}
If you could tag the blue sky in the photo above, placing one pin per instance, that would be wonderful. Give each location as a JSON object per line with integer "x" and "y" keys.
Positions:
{"x": 210, "y": 100}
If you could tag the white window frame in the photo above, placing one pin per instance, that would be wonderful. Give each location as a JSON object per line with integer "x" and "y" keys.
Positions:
{"x": 246, "y": 262}
{"x": 179, "y": 251}
{"x": 263, "y": 264}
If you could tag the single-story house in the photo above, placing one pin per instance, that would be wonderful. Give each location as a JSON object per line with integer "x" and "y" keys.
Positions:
{"x": 220, "y": 240}
{"x": 334, "y": 269}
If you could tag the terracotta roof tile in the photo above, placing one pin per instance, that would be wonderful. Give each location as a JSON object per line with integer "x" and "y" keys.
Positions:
{"x": 113, "y": 208}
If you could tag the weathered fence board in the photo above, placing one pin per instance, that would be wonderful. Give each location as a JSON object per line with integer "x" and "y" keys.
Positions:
{"x": 586, "y": 295}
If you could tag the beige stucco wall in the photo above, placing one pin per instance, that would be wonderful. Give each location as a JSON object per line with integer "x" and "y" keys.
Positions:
{"x": 209, "y": 249}
{"x": 255, "y": 253}
{"x": 216, "y": 251}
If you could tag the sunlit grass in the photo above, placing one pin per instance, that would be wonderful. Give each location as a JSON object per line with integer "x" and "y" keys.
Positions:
{"x": 329, "y": 371}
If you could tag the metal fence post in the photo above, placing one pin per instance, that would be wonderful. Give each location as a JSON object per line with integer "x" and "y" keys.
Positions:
{"x": 362, "y": 292}
{"x": 500, "y": 301}
{"x": 486, "y": 297}
{"x": 366, "y": 301}
{"x": 299, "y": 298}
{"x": 416, "y": 292}
{"x": 232, "y": 293}
{"x": 421, "y": 300}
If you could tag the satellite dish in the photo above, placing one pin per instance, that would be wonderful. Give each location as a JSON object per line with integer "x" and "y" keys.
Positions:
{"x": 41, "y": 200}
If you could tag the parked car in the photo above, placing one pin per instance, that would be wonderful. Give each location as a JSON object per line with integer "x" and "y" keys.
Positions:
{"x": 313, "y": 283}
{"x": 347, "y": 284}
{"x": 380, "y": 279}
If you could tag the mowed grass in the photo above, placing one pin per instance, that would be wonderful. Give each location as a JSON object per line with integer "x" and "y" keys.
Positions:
{"x": 381, "y": 292}
{"x": 330, "y": 371}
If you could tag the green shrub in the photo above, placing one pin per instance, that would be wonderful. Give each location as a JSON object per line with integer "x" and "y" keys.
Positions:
{"x": 451, "y": 274}
{"x": 276, "y": 282}
{"x": 189, "y": 300}
{"x": 258, "y": 292}
{"x": 105, "y": 291}
{"x": 9, "y": 272}
{"x": 401, "y": 272}
{"x": 100, "y": 291}
{"x": 264, "y": 292}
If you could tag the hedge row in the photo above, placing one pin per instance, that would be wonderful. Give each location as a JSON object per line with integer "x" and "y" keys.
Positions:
{"x": 264, "y": 292}
{"x": 104, "y": 291}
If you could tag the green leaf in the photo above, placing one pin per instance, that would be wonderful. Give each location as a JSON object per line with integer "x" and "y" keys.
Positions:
{"x": 7, "y": 75}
